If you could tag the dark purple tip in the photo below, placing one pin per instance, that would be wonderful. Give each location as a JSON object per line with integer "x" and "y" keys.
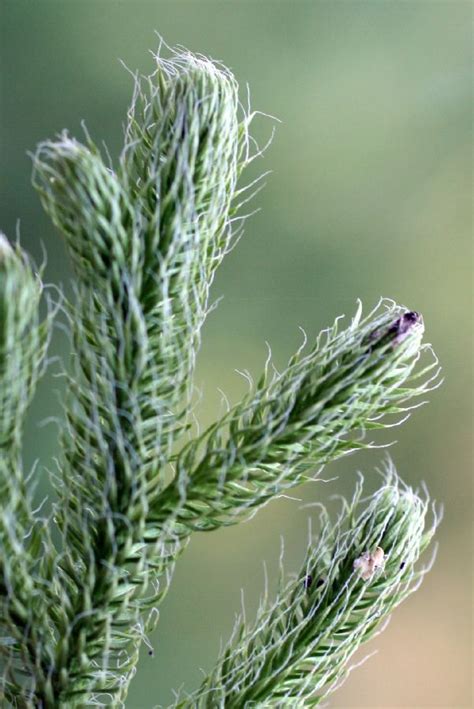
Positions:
{"x": 412, "y": 316}
{"x": 408, "y": 320}
{"x": 308, "y": 580}
{"x": 397, "y": 331}
{"x": 404, "y": 324}
{"x": 402, "y": 565}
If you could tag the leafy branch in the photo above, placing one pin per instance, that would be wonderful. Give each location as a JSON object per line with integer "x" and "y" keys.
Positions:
{"x": 145, "y": 239}
{"x": 318, "y": 409}
{"x": 298, "y": 648}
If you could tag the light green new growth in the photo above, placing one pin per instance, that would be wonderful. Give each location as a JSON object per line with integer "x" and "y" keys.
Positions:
{"x": 145, "y": 239}
{"x": 297, "y": 650}
{"x": 316, "y": 410}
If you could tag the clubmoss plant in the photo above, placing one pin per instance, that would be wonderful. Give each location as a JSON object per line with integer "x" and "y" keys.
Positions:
{"x": 145, "y": 239}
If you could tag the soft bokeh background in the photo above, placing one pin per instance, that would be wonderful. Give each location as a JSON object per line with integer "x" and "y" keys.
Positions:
{"x": 370, "y": 195}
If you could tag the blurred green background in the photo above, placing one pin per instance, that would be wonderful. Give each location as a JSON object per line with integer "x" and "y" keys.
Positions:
{"x": 370, "y": 195}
